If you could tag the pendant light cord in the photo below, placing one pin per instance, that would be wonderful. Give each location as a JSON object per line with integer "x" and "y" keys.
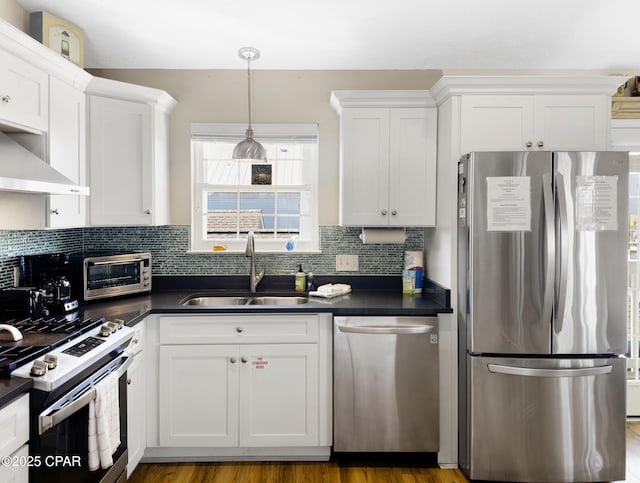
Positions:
{"x": 249, "y": 89}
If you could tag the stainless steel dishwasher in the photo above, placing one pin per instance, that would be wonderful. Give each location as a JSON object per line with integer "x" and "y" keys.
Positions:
{"x": 386, "y": 384}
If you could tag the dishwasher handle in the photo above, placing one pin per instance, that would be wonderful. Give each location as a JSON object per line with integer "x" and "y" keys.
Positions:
{"x": 386, "y": 329}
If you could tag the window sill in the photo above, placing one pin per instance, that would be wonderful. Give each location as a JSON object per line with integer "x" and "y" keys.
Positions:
{"x": 258, "y": 252}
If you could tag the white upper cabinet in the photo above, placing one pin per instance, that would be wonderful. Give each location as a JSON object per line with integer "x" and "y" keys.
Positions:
{"x": 128, "y": 153}
{"x": 387, "y": 157}
{"x": 23, "y": 94}
{"x": 531, "y": 113}
{"x": 67, "y": 152}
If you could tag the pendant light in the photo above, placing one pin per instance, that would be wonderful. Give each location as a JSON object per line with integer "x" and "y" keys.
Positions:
{"x": 249, "y": 149}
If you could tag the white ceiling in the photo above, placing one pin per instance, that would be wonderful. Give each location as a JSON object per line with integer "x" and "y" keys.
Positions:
{"x": 356, "y": 34}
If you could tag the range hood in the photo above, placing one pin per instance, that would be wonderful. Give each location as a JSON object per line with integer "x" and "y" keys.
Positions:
{"x": 21, "y": 170}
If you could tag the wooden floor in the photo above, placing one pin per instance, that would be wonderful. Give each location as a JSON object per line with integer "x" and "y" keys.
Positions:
{"x": 338, "y": 470}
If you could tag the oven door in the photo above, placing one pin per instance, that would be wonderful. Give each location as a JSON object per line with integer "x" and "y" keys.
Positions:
{"x": 60, "y": 433}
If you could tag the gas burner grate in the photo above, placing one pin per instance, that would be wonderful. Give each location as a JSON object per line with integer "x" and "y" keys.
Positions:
{"x": 13, "y": 356}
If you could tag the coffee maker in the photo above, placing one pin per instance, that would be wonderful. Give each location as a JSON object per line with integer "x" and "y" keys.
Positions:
{"x": 49, "y": 272}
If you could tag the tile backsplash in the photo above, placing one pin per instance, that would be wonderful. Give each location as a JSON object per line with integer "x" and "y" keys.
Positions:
{"x": 169, "y": 244}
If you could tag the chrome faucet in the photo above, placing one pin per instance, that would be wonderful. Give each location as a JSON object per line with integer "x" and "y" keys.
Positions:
{"x": 250, "y": 251}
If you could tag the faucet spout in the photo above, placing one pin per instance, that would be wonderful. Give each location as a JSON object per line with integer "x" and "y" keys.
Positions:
{"x": 250, "y": 251}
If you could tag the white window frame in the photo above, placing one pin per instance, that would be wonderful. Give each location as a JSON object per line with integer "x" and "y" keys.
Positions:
{"x": 309, "y": 239}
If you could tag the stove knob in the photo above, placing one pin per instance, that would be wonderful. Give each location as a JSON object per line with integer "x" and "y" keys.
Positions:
{"x": 113, "y": 326}
{"x": 38, "y": 369}
{"x": 120, "y": 323}
{"x": 51, "y": 361}
{"x": 105, "y": 331}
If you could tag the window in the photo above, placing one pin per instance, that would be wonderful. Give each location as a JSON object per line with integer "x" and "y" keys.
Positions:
{"x": 276, "y": 200}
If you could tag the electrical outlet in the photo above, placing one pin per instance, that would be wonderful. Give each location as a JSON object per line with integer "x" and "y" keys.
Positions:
{"x": 346, "y": 263}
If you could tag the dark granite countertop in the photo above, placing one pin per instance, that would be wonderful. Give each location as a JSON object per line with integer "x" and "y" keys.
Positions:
{"x": 12, "y": 388}
{"x": 370, "y": 296}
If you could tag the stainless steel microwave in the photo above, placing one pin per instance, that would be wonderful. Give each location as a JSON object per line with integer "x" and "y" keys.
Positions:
{"x": 107, "y": 275}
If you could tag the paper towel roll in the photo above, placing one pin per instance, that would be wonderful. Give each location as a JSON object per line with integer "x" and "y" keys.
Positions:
{"x": 413, "y": 258}
{"x": 382, "y": 235}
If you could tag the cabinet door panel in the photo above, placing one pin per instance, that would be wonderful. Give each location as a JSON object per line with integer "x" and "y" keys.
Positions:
{"x": 120, "y": 160}
{"x": 24, "y": 89}
{"x": 364, "y": 167}
{"x": 412, "y": 171}
{"x": 136, "y": 412}
{"x": 67, "y": 152}
{"x": 199, "y": 395}
{"x": 279, "y": 395}
{"x": 575, "y": 123}
{"x": 495, "y": 123}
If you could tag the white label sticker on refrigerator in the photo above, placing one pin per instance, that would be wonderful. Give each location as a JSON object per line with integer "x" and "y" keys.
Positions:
{"x": 596, "y": 203}
{"x": 509, "y": 203}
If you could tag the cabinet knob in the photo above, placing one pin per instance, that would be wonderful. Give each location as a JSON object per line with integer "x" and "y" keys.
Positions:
{"x": 147, "y": 211}
{"x": 244, "y": 360}
{"x": 232, "y": 360}
{"x": 55, "y": 211}
{"x": 383, "y": 212}
{"x": 540, "y": 144}
{"x": 239, "y": 329}
{"x": 129, "y": 381}
{"x": 6, "y": 99}
{"x": 394, "y": 213}
{"x": 529, "y": 144}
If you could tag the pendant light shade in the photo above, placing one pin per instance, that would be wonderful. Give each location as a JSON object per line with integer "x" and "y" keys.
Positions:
{"x": 249, "y": 149}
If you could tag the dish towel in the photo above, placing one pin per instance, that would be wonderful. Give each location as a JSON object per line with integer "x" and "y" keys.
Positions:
{"x": 104, "y": 423}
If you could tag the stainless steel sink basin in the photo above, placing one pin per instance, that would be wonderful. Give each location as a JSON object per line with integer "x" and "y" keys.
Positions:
{"x": 223, "y": 300}
{"x": 278, "y": 300}
{"x": 215, "y": 300}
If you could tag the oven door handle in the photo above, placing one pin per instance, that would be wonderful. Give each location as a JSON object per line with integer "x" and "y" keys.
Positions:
{"x": 63, "y": 409}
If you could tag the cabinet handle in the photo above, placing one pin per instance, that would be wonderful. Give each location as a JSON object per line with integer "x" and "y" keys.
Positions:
{"x": 394, "y": 213}
{"x": 55, "y": 211}
{"x": 6, "y": 98}
{"x": 148, "y": 211}
{"x": 529, "y": 144}
{"x": 232, "y": 360}
{"x": 383, "y": 212}
{"x": 540, "y": 144}
{"x": 239, "y": 329}
{"x": 244, "y": 360}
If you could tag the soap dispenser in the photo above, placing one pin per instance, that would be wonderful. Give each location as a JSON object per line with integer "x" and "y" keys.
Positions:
{"x": 301, "y": 280}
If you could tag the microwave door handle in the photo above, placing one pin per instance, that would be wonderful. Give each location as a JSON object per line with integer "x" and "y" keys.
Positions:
{"x": 118, "y": 262}
{"x": 55, "y": 414}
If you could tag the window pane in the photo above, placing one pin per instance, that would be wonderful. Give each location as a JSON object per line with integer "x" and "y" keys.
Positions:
{"x": 289, "y": 203}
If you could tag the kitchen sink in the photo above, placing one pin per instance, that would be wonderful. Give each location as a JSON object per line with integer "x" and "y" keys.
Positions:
{"x": 224, "y": 300}
{"x": 282, "y": 300}
{"x": 215, "y": 300}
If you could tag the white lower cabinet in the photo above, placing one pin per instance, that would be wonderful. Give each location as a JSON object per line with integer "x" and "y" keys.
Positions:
{"x": 136, "y": 401}
{"x": 239, "y": 386}
{"x": 14, "y": 434}
{"x": 249, "y": 395}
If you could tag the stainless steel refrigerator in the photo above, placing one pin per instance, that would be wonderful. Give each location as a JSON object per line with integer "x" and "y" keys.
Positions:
{"x": 542, "y": 277}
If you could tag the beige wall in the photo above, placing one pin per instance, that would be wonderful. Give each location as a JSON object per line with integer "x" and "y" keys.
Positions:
{"x": 13, "y": 13}
{"x": 277, "y": 96}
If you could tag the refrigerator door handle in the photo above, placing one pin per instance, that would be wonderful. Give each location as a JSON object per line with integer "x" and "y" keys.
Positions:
{"x": 563, "y": 262}
{"x": 532, "y": 372}
{"x": 549, "y": 217}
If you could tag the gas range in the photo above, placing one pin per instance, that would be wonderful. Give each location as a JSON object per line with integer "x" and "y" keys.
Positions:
{"x": 52, "y": 351}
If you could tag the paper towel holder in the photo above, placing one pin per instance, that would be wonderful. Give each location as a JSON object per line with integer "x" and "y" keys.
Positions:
{"x": 383, "y": 235}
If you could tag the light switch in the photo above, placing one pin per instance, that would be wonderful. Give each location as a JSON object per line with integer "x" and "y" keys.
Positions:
{"x": 346, "y": 263}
